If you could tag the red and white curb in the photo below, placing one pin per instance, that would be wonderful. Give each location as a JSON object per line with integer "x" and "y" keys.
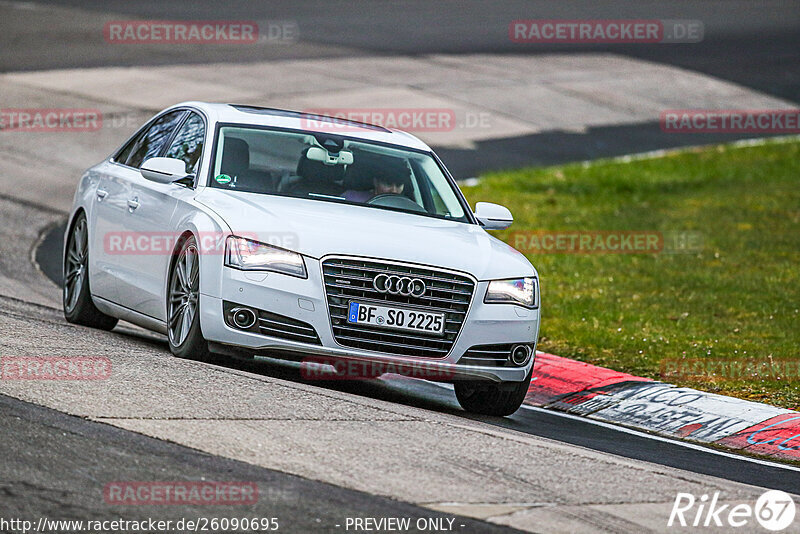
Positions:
{"x": 602, "y": 394}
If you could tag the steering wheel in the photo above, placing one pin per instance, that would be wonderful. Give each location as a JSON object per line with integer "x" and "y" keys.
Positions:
{"x": 396, "y": 201}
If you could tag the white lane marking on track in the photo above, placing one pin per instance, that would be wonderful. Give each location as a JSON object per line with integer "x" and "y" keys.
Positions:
{"x": 664, "y": 439}
{"x": 633, "y": 432}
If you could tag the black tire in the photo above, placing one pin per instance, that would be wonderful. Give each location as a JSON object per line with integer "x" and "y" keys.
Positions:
{"x": 76, "y": 297}
{"x": 186, "y": 282}
{"x": 488, "y": 398}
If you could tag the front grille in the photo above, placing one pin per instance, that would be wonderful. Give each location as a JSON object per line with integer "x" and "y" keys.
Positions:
{"x": 351, "y": 279}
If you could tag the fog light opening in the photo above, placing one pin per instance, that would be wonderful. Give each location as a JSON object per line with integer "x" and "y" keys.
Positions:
{"x": 243, "y": 318}
{"x": 520, "y": 354}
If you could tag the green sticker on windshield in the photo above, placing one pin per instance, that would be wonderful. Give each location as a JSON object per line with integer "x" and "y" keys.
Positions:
{"x": 223, "y": 179}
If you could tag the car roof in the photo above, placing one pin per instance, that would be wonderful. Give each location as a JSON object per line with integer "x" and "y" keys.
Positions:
{"x": 309, "y": 122}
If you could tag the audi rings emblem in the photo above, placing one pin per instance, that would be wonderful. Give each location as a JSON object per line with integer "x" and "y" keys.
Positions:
{"x": 399, "y": 285}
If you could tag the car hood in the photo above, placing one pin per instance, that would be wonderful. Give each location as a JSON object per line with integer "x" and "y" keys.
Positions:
{"x": 319, "y": 228}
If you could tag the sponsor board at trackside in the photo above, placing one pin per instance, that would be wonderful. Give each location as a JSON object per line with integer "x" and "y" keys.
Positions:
{"x": 666, "y": 409}
{"x": 598, "y": 393}
{"x": 778, "y": 436}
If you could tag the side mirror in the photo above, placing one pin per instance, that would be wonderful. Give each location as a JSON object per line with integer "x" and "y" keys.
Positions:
{"x": 164, "y": 170}
{"x": 493, "y": 216}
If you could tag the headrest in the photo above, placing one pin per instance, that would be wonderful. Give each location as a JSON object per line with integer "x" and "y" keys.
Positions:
{"x": 235, "y": 156}
{"x": 318, "y": 172}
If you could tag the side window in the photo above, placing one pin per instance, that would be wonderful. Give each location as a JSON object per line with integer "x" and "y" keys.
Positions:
{"x": 122, "y": 155}
{"x": 152, "y": 142}
{"x": 188, "y": 143}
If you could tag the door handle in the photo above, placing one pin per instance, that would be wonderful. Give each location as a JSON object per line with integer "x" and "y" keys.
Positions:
{"x": 101, "y": 194}
{"x": 133, "y": 204}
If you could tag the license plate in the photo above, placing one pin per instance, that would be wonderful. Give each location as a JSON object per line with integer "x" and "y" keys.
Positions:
{"x": 396, "y": 318}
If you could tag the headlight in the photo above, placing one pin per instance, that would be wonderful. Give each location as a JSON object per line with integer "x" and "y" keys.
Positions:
{"x": 248, "y": 255}
{"x": 522, "y": 291}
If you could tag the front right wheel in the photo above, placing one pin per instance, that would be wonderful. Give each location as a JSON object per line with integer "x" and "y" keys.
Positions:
{"x": 183, "y": 306}
{"x": 488, "y": 398}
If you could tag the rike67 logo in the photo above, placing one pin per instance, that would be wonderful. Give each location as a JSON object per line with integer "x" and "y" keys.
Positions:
{"x": 774, "y": 510}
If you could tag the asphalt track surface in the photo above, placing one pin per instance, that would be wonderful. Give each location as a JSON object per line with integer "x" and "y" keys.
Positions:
{"x": 754, "y": 44}
{"x": 79, "y": 498}
{"x": 429, "y": 396}
{"x": 49, "y": 446}
{"x": 585, "y": 434}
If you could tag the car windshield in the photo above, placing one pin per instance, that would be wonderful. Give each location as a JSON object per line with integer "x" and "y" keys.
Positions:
{"x": 324, "y": 167}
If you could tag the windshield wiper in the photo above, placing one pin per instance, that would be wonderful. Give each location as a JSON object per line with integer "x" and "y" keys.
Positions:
{"x": 319, "y": 195}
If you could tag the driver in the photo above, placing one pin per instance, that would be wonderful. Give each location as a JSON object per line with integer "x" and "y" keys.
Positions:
{"x": 382, "y": 184}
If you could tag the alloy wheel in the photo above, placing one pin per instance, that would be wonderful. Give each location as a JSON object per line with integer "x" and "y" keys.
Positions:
{"x": 75, "y": 265}
{"x": 183, "y": 294}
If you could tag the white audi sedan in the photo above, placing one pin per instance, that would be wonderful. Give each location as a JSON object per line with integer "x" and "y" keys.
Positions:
{"x": 239, "y": 230}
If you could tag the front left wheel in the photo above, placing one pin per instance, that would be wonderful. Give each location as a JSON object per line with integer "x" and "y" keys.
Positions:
{"x": 486, "y": 398}
{"x": 183, "y": 306}
{"x": 76, "y": 298}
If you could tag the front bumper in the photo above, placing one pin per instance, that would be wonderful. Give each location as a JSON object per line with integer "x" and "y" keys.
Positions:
{"x": 305, "y": 300}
